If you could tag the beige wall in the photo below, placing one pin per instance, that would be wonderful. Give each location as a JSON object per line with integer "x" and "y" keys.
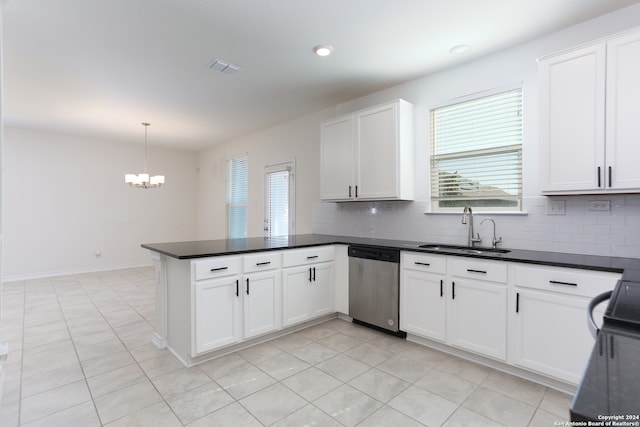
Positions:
{"x": 298, "y": 139}
{"x": 65, "y": 198}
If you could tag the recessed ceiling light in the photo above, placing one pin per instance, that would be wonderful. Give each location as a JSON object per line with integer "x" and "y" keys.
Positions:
{"x": 323, "y": 50}
{"x": 459, "y": 49}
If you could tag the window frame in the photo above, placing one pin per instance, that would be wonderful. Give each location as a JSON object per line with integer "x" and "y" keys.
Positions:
{"x": 433, "y": 205}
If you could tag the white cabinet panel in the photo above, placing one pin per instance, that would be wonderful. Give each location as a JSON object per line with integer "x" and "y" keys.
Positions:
{"x": 307, "y": 292}
{"x": 368, "y": 155}
{"x": 477, "y": 317}
{"x": 216, "y": 317}
{"x": 337, "y": 159}
{"x": 572, "y": 99}
{"x": 321, "y": 296}
{"x": 423, "y": 304}
{"x": 461, "y": 301}
{"x": 623, "y": 104}
{"x": 550, "y": 334}
{"x": 261, "y": 300}
{"x": 589, "y": 130}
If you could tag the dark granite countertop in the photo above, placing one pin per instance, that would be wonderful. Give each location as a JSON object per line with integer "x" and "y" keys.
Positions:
{"x": 207, "y": 248}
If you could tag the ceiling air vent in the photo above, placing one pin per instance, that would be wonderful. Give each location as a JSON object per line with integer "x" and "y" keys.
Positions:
{"x": 224, "y": 67}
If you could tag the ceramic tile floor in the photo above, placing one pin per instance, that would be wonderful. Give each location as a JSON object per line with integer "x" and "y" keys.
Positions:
{"x": 80, "y": 355}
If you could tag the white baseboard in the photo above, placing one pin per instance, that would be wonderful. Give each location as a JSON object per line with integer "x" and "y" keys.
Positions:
{"x": 19, "y": 277}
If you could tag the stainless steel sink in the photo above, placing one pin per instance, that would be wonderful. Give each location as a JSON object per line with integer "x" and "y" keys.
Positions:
{"x": 464, "y": 249}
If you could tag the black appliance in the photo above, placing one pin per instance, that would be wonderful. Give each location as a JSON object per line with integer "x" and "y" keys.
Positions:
{"x": 610, "y": 387}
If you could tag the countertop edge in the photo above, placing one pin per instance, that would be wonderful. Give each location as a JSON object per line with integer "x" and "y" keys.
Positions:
{"x": 629, "y": 267}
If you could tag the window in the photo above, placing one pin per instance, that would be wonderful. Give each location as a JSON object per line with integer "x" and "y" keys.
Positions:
{"x": 279, "y": 209}
{"x": 476, "y": 153}
{"x": 237, "y": 197}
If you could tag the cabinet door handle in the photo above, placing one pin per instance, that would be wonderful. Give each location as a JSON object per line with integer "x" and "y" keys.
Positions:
{"x": 611, "y": 346}
{"x": 218, "y": 269}
{"x": 470, "y": 270}
{"x": 610, "y": 185}
{"x": 237, "y": 287}
{"x": 263, "y": 263}
{"x": 356, "y": 191}
{"x": 349, "y": 191}
{"x": 312, "y": 257}
{"x": 441, "y": 288}
{"x": 517, "y": 302}
{"x": 422, "y": 263}
{"x": 453, "y": 290}
{"x": 314, "y": 274}
{"x": 555, "y": 282}
{"x": 599, "y": 178}
{"x": 309, "y": 274}
{"x": 247, "y": 286}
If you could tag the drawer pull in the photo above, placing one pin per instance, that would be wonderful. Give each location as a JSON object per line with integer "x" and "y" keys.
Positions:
{"x": 422, "y": 263}
{"x": 312, "y": 257}
{"x": 470, "y": 270}
{"x": 555, "y": 282}
{"x": 219, "y": 269}
{"x": 263, "y": 263}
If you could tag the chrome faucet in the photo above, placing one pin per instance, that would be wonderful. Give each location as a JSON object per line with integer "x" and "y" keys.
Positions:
{"x": 495, "y": 242}
{"x": 471, "y": 240}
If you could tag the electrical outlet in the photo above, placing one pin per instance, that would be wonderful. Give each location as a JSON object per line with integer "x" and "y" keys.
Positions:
{"x": 599, "y": 205}
{"x": 556, "y": 207}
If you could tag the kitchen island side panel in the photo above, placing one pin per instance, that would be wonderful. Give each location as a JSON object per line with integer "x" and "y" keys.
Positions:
{"x": 179, "y": 311}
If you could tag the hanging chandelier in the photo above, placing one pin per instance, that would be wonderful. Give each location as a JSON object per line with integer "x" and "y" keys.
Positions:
{"x": 142, "y": 180}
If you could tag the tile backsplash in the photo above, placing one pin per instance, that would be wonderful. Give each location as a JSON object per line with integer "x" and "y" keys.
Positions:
{"x": 580, "y": 229}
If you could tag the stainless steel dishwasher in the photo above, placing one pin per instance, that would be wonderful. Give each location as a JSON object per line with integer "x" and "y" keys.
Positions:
{"x": 374, "y": 287}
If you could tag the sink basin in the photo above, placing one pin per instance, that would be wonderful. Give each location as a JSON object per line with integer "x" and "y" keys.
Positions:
{"x": 464, "y": 249}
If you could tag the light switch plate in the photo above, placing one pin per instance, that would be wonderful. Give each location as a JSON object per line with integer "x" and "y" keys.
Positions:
{"x": 599, "y": 205}
{"x": 556, "y": 207}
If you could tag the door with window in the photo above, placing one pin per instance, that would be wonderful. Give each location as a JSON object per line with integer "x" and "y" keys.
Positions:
{"x": 279, "y": 209}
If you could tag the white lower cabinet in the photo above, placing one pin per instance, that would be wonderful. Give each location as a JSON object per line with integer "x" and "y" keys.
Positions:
{"x": 423, "y": 295}
{"x": 261, "y": 303}
{"x": 477, "y": 318}
{"x": 232, "y": 306}
{"x": 477, "y": 315}
{"x": 216, "y": 314}
{"x": 530, "y": 316}
{"x": 549, "y": 318}
{"x": 307, "y": 284}
{"x": 460, "y": 301}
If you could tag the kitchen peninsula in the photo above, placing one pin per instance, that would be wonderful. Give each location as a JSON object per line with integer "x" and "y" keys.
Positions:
{"x": 217, "y": 296}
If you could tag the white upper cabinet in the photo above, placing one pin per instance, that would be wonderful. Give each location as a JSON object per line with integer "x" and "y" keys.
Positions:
{"x": 368, "y": 155}
{"x": 588, "y": 132}
{"x": 337, "y": 159}
{"x": 623, "y": 106}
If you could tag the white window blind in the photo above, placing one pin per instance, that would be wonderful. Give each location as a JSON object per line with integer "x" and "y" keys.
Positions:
{"x": 237, "y": 197}
{"x": 279, "y": 200}
{"x": 476, "y": 153}
{"x": 278, "y": 203}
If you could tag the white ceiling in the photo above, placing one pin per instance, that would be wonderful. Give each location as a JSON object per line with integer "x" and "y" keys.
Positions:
{"x": 101, "y": 67}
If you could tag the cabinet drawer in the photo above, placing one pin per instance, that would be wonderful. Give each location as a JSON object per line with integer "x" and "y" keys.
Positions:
{"x": 209, "y": 268}
{"x": 565, "y": 280}
{"x": 424, "y": 262}
{"x": 493, "y": 271}
{"x": 262, "y": 261}
{"x": 308, "y": 256}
